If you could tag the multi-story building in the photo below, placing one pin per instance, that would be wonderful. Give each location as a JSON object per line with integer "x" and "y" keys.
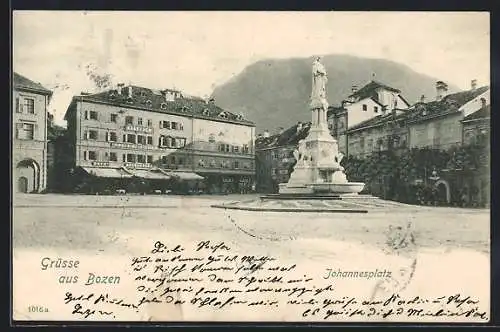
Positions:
{"x": 337, "y": 124}
{"x": 435, "y": 124}
{"x": 143, "y": 133}
{"x": 29, "y": 141}
{"x": 274, "y": 157}
{"x": 372, "y": 100}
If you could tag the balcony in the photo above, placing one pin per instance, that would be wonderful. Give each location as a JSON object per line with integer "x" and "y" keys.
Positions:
{"x": 139, "y": 129}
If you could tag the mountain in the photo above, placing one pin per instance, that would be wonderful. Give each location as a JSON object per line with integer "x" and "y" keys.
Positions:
{"x": 275, "y": 93}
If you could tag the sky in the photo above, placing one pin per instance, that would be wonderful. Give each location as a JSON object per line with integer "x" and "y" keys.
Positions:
{"x": 196, "y": 51}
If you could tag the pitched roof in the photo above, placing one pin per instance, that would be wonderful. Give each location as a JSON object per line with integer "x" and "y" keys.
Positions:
{"x": 22, "y": 82}
{"x": 375, "y": 121}
{"x": 449, "y": 104}
{"x": 287, "y": 137}
{"x": 150, "y": 100}
{"x": 370, "y": 90}
{"x": 483, "y": 113}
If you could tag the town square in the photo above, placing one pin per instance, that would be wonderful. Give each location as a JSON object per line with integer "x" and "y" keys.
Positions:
{"x": 180, "y": 177}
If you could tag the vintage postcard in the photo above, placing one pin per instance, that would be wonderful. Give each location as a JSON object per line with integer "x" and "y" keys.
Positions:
{"x": 251, "y": 166}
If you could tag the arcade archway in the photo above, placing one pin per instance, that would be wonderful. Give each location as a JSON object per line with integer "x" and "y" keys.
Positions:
{"x": 28, "y": 176}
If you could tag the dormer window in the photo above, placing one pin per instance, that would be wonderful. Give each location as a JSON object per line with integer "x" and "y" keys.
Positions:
{"x": 163, "y": 106}
{"x": 130, "y": 100}
{"x": 149, "y": 103}
{"x": 206, "y": 112}
{"x": 184, "y": 109}
{"x": 143, "y": 94}
{"x": 239, "y": 117}
{"x": 223, "y": 115}
{"x": 112, "y": 94}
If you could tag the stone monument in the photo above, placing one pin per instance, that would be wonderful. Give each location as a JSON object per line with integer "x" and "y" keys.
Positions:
{"x": 318, "y": 169}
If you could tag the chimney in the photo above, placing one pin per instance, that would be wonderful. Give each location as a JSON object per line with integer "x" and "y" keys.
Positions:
{"x": 266, "y": 133}
{"x": 354, "y": 89}
{"x": 422, "y": 98}
{"x": 130, "y": 91}
{"x": 211, "y": 100}
{"x": 473, "y": 85}
{"x": 119, "y": 87}
{"x": 441, "y": 89}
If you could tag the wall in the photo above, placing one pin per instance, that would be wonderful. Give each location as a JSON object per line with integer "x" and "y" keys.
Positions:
{"x": 356, "y": 114}
{"x": 442, "y": 132}
{"x": 475, "y": 104}
{"x": 35, "y": 149}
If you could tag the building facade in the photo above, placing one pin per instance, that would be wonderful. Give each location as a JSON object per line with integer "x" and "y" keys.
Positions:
{"x": 29, "y": 139}
{"x": 274, "y": 157}
{"x": 153, "y": 134}
{"x": 372, "y": 100}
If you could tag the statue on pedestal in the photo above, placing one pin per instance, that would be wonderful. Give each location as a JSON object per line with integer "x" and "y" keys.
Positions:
{"x": 319, "y": 80}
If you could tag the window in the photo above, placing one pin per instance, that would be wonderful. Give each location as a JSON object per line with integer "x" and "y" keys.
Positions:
{"x": 92, "y": 155}
{"x": 166, "y": 124}
{"x": 236, "y": 149}
{"x": 365, "y": 108}
{"x": 139, "y": 121}
{"x": 175, "y": 126}
{"x": 141, "y": 158}
{"x": 150, "y": 159}
{"x": 26, "y": 131}
{"x": 129, "y": 120}
{"x": 93, "y": 115}
{"x": 141, "y": 139}
{"x": 131, "y": 138}
{"x": 124, "y": 158}
{"x": 168, "y": 141}
{"x": 130, "y": 158}
{"x": 150, "y": 123}
{"x": 114, "y": 117}
{"x": 164, "y": 160}
{"x": 211, "y": 138}
{"x": 86, "y": 115}
{"x": 180, "y": 161}
{"x": 92, "y": 134}
{"x": 236, "y": 164}
{"x": 181, "y": 142}
{"x": 245, "y": 148}
{"x": 375, "y": 109}
{"x": 112, "y": 137}
{"x": 18, "y": 106}
{"x": 29, "y": 105}
{"x": 112, "y": 156}
{"x": 150, "y": 140}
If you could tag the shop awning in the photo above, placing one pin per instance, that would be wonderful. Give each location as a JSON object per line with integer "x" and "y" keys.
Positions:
{"x": 186, "y": 176}
{"x": 107, "y": 172}
{"x": 146, "y": 174}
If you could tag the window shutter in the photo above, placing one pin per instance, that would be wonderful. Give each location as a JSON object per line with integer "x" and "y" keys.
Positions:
{"x": 86, "y": 115}
{"x": 84, "y": 155}
{"x": 124, "y": 138}
{"x": 107, "y": 136}
{"x": 21, "y": 105}
{"x": 18, "y": 105}
{"x": 161, "y": 124}
{"x": 19, "y": 127}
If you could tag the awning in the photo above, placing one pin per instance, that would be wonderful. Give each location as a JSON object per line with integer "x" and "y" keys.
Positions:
{"x": 107, "y": 172}
{"x": 186, "y": 176}
{"x": 146, "y": 174}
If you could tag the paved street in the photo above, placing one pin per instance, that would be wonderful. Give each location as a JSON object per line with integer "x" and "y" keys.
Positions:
{"x": 451, "y": 244}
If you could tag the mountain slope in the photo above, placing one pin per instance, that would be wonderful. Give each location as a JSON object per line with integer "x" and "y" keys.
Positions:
{"x": 275, "y": 93}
